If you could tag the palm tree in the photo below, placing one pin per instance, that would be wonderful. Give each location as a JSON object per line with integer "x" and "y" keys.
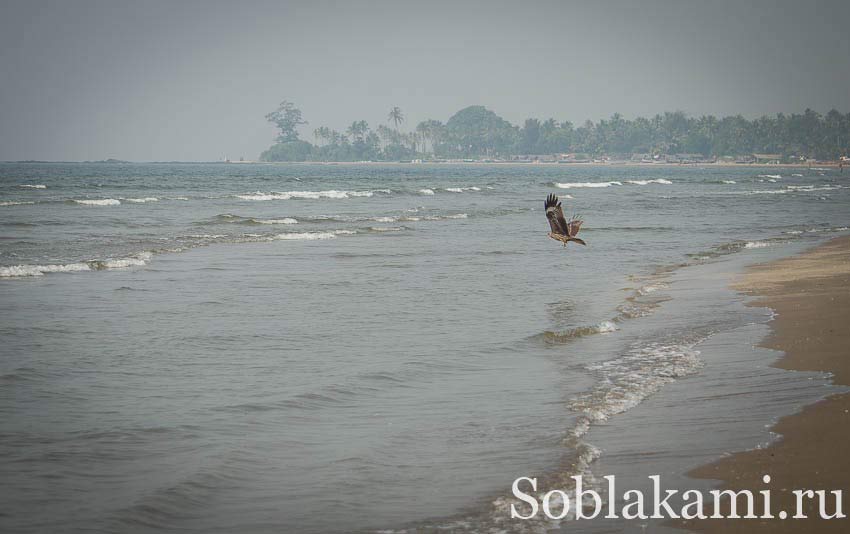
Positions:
{"x": 396, "y": 116}
{"x": 422, "y": 130}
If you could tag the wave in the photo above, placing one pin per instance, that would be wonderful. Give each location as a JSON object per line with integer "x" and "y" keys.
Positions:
{"x": 728, "y": 182}
{"x": 20, "y": 271}
{"x": 140, "y": 200}
{"x": 15, "y": 203}
{"x": 309, "y": 236}
{"x": 285, "y": 220}
{"x": 594, "y": 185}
{"x": 462, "y": 189}
{"x": 772, "y": 176}
{"x": 623, "y": 384}
{"x": 97, "y": 202}
{"x": 137, "y": 260}
{"x": 806, "y": 188}
{"x": 236, "y": 219}
{"x": 647, "y": 182}
{"x": 566, "y": 336}
{"x": 631, "y": 378}
{"x": 309, "y": 195}
{"x": 15, "y": 271}
{"x": 651, "y": 288}
{"x": 426, "y": 192}
{"x": 756, "y": 244}
{"x": 32, "y": 186}
{"x": 575, "y": 185}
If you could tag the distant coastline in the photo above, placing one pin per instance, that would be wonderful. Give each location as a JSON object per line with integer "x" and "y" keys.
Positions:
{"x": 829, "y": 164}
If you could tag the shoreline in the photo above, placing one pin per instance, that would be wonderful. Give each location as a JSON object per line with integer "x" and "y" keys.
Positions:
{"x": 810, "y": 294}
{"x": 831, "y": 165}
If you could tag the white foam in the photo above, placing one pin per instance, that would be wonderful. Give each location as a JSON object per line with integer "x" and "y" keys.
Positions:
{"x": 33, "y": 186}
{"x": 628, "y": 380}
{"x": 756, "y": 244}
{"x": 729, "y": 182}
{"x": 384, "y": 219}
{"x": 99, "y": 202}
{"x": 606, "y": 326}
{"x": 15, "y": 203}
{"x": 386, "y": 228}
{"x": 141, "y": 200}
{"x": 310, "y": 195}
{"x": 807, "y": 188}
{"x": 651, "y": 288}
{"x": 138, "y": 260}
{"x": 647, "y": 182}
{"x": 285, "y": 220}
{"x": 574, "y": 185}
{"x": 797, "y": 175}
{"x": 462, "y": 189}
{"x": 309, "y": 236}
{"x": 773, "y": 176}
{"x": 426, "y": 192}
{"x": 39, "y": 270}
{"x": 767, "y": 192}
{"x": 457, "y": 216}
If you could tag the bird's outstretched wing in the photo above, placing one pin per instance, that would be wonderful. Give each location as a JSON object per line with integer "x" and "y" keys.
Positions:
{"x": 574, "y": 226}
{"x": 556, "y": 215}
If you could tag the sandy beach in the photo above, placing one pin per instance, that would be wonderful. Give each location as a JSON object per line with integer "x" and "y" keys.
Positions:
{"x": 811, "y": 296}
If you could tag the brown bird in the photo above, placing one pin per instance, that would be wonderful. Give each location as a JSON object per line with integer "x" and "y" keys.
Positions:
{"x": 562, "y": 230}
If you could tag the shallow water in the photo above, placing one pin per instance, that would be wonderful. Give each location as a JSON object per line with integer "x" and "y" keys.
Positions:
{"x": 322, "y": 348}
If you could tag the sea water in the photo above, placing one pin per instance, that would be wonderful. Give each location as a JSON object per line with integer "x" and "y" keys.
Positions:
{"x": 337, "y": 348}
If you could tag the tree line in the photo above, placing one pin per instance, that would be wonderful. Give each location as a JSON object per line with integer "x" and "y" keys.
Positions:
{"x": 476, "y": 132}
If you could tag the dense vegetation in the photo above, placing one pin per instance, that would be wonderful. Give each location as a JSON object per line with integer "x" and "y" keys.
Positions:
{"x": 477, "y": 132}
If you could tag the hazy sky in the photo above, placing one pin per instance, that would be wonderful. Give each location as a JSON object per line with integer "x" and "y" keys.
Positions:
{"x": 192, "y": 80}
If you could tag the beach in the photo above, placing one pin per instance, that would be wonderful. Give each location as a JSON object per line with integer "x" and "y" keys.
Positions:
{"x": 810, "y": 294}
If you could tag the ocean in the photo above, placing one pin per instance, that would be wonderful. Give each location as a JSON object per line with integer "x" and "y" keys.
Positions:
{"x": 377, "y": 347}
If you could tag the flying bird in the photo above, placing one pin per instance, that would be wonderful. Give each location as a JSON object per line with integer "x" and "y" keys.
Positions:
{"x": 562, "y": 230}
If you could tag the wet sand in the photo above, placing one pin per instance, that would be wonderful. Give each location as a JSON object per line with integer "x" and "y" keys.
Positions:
{"x": 811, "y": 296}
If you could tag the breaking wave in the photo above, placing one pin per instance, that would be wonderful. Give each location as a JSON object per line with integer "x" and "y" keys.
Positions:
{"x": 32, "y": 186}
{"x": 576, "y": 185}
{"x": 426, "y": 192}
{"x": 309, "y": 195}
{"x": 15, "y": 203}
{"x": 98, "y": 202}
{"x": 629, "y": 379}
{"x": 462, "y": 189}
{"x": 568, "y": 335}
{"x": 20, "y": 271}
{"x": 236, "y": 219}
{"x": 661, "y": 181}
{"x": 141, "y": 200}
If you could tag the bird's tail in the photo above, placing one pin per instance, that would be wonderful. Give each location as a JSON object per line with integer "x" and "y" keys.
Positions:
{"x": 579, "y": 241}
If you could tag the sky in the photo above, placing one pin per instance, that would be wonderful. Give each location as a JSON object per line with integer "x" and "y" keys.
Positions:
{"x": 150, "y": 80}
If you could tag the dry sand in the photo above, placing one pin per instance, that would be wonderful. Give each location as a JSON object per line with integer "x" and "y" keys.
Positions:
{"x": 811, "y": 295}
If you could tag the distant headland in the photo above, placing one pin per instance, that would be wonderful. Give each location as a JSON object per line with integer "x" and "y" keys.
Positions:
{"x": 476, "y": 134}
